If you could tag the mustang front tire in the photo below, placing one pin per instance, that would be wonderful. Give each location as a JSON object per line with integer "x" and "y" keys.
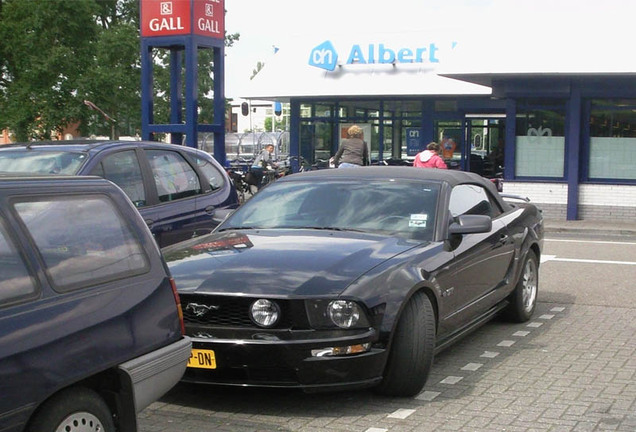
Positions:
{"x": 411, "y": 355}
{"x": 523, "y": 299}
{"x": 73, "y": 410}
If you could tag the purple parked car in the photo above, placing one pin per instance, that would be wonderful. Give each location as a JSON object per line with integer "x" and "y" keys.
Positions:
{"x": 177, "y": 189}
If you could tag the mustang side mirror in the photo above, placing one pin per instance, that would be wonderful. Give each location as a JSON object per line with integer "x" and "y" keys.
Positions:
{"x": 471, "y": 224}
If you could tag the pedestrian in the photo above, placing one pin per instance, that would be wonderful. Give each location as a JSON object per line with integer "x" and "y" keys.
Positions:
{"x": 429, "y": 157}
{"x": 353, "y": 150}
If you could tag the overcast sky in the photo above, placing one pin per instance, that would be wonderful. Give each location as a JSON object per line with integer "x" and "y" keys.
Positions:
{"x": 264, "y": 24}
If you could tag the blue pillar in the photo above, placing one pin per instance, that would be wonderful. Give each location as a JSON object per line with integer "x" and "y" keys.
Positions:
{"x": 192, "y": 79}
{"x": 511, "y": 138}
{"x": 147, "y": 117}
{"x": 573, "y": 151}
{"x": 294, "y": 134}
{"x": 176, "y": 99}
{"x": 219, "y": 106}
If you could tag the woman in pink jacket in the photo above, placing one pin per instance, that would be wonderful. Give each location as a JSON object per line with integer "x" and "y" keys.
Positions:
{"x": 429, "y": 158}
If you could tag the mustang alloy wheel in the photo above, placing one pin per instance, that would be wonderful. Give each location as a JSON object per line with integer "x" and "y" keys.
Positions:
{"x": 523, "y": 299}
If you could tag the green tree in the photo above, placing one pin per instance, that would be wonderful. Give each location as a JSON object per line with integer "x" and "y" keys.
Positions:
{"x": 55, "y": 54}
{"x": 112, "y": 79}
{"x": 45, "y": 47}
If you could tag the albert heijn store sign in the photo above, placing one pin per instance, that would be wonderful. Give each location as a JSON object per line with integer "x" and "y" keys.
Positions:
{"x": 183, "y": 17}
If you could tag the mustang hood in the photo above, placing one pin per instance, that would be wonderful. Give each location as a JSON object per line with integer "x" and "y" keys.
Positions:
{"x": 278, "y": 262}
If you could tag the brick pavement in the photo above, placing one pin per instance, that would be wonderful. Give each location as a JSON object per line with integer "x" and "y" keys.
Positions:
{"x": 572, "y": 368}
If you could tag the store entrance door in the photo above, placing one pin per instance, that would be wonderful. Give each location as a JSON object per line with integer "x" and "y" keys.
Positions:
{"x": 486, "y": 136}
{"x": 450, "y": 135}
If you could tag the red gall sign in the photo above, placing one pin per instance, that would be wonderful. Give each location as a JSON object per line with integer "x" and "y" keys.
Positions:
{"x": 183, "y": 17}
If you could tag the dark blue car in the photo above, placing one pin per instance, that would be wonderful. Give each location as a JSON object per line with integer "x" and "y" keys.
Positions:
{"x": 91, "y": 328}
{"x": 176, "y": 188}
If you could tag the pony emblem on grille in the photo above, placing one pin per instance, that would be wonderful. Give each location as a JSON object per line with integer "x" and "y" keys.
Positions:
{"x": 200, "y": 309}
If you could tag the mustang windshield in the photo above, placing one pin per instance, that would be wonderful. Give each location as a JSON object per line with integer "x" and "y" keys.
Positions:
{"x": 389, "y": 206}
{"x": 41, "y": 162}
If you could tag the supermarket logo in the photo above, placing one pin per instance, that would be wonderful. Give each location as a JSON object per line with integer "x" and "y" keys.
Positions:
{"x": 324, "y": 56}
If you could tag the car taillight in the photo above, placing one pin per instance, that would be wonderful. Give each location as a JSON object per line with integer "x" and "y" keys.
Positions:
{"x": 178, "y": 302}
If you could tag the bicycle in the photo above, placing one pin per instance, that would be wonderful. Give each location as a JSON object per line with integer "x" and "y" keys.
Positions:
{"x": 238, "y": 174}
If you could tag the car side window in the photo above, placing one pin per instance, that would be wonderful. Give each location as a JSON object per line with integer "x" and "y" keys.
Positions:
{"x": 472, "y": 200}
{"x": 174, "y": 177}
{"x": 122, "y": 168}
{"x": 83, "y": 240}
{"x": 15, "y": 280}
{"x": 212, "y": 175}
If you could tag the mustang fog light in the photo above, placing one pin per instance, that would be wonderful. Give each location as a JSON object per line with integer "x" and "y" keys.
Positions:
{"x": 264, "y": 313}
{"x": 344, "y": 313}
{"x": 340, "y": 351}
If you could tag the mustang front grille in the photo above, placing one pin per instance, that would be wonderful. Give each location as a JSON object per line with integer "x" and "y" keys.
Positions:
{"x": 221, "y": 311}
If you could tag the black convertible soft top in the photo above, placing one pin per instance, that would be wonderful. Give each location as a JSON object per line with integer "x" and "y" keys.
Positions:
{"x": 452, "y": 177}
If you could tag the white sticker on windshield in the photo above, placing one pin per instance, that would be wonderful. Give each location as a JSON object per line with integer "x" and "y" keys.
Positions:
{"x": 418, "y": 220}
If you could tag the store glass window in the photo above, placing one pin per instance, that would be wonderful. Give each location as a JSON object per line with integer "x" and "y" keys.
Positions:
{"x": 613, "y": 139}
{"x": 324, "y": 110}
{"x": 540, "y": 140}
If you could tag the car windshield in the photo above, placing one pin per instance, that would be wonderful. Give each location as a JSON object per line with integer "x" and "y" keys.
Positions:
{"x": 390, "y": 206}
{"x": 40, "y": 162}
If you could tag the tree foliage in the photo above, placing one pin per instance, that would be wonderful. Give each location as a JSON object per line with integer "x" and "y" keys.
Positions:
{"x": 56, "y": 54}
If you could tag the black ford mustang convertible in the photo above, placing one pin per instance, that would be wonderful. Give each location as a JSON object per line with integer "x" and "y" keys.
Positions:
{"x": 351, "y": 278}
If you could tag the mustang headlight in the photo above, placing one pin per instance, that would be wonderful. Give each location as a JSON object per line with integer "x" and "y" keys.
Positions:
{"x": 264, "y": 313}
{"x": 345, "y": 314}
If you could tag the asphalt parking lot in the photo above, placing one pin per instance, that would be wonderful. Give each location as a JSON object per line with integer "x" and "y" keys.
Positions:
{"x": 571, "y": 368}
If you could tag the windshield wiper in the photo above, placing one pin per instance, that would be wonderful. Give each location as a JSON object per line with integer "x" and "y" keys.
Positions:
{"x": 329, "y": 228}
{"x": 236, "y": 228}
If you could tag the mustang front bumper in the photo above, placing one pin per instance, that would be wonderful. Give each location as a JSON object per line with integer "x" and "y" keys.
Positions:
{"x": 290, "y": 359}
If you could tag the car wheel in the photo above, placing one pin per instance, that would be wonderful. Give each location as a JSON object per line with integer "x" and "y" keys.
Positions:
{"x": 523, "y": 299}
{"x": 73, "y": 410}
{"x": 411, "y": 355}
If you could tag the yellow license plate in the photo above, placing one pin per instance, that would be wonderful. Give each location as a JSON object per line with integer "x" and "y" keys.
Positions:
{"x": 200, "y": 358}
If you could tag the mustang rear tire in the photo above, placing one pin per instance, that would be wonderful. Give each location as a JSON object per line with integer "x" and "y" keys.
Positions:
{"x": 411, "y": 355}
{"x": 73, "y": 410}
{"x": 523, "y": 299}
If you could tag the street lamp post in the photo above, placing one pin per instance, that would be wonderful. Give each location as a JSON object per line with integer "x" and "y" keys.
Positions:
{"x": 108, "y": 118}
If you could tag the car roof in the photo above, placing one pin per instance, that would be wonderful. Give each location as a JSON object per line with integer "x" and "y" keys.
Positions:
{"x": 87, "y": 145}
{"x": 452, "y": 177}
{"x": 369, "y": 173}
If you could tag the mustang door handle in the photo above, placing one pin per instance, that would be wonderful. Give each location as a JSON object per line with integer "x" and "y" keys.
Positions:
{"x": 503, "y": 239}
{"x": 209, "y": 209}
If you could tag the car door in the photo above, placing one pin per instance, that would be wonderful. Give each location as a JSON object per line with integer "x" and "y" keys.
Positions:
{"x": 480, "y": 260}
{"x": 216, "y": 193}
{"x": 173, "y": 218}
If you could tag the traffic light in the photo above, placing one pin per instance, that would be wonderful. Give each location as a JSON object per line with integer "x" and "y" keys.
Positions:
{"x": 245, "y": 109}
{"x": 278, "y": 108}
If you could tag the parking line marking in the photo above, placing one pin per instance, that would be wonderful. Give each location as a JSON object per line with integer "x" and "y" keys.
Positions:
{"x": 427, "y": 395}
{"x": 489, "y": 354}
{"x": 472, "y": 366}
{"x": 591, "y": 241}
{"x": 521, "y": 333}
{"x": 506, "y": 343}
{"x": 590, "y": 261}
{"x": 535, "y": 324}
{"x": 557, "y": 309}
{"x": 546, "y": 316}
{"x": 451, "y": 380}
{"x": 402, "y": 413}
{"x": 546, "y": 258}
